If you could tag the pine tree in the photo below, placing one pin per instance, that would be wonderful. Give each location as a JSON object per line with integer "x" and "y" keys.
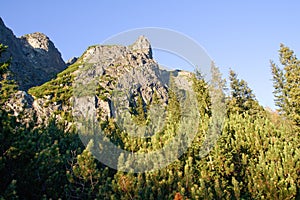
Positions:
{"x": 84, "y": 175}
{"x": 217, "y": 87}
{"x": 173, "y": 109}
{"x": 278, "y": 84}
{"x": 286, "y": 83}
{"x": 7, "y": 87}
{"x": 201, "y": 89}
{"x": 137, "y": 109}
{"x": 141, "y": 114}
{"x": 242, "y": 98}
{"x": 3, "y": 65}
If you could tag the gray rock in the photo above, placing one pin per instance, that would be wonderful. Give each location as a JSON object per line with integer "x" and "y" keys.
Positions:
{"x": 71, "y": 61}
{"x": 35, "y": 59}
{"x": 20, "y": 104}
{"x": 129, "y": 71}
{"x": 126, "y": 73}
{"x": 142, "y": 45}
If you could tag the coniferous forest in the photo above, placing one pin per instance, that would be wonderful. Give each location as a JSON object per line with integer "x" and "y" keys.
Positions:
{"x": 257, "y": 154}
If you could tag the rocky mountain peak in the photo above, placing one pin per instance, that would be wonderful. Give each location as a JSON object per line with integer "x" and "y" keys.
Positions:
{"x": 35, "y": 59}
{"x": 142, "y": 45}
{"x": 117, "y": 69}
{"x": 128, "y": 70}
{"x": 38, "y": 40}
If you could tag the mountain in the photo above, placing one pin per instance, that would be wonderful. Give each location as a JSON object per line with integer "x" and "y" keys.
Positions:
{"x": 47, "y": 84}
{"x": 35, "y": 59}
{"x": 114, "y": 68}
{"x": 239, "y": 150}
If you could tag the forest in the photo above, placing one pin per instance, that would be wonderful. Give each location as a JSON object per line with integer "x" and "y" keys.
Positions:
{"x": 256, "y": 156}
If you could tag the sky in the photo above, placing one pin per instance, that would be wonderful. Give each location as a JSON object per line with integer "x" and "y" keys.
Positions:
{"x": 239, "y": 35}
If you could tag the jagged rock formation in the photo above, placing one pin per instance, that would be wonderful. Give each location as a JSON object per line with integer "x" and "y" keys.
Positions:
{"x": 21, "y": 102}
{"x": 114, "y": 68}
{"x": 71, "y": 61}
{"x": 130, "y": 70}
{"x": 103, "y": 70}
{"x": 35, "y": 60}
{"x": 142, "y": 45}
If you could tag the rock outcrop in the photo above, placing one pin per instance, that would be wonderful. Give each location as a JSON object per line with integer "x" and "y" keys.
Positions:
{"x": 35, "y": 59}
{"x": 20, "y": 105}
{"x": 130, "y": 71}
{"x": 71, "y": 61}
{"x": 142, "y": 45}
{"x": 109, "y": 69}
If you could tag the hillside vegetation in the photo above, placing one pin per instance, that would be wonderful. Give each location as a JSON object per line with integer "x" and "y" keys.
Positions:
{"x": 257, "y": 154}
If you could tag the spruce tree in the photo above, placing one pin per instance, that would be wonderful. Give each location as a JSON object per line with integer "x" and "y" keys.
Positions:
{"x": 286, "y": 84}
{"x": 278, "y": 84}
{"x": 242, "y": 98}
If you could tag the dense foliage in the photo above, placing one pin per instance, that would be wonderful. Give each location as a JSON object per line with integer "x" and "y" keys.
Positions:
{"x": 257, "y": 155}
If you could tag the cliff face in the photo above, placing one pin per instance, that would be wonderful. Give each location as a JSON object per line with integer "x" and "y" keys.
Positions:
{"x": 35, "y": 59}
{"x": 130, "y": 70}
{"x": 37, "y": 65}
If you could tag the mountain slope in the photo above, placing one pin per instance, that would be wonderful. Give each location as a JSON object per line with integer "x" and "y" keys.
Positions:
{"x": 113, "y": 67}
{"x": 35, "y": 59}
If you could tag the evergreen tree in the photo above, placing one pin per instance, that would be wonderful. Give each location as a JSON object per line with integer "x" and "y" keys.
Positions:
{"x": 3, "y": 65}
{"x": 217, "y": 88}
{"x": 254, "y": 157}
{"x": 278, "y": 84}
{"x": 7, "y": 87}
{"x": 242, "y": 98}
{"x": 137, "y": 109}
{"x": 141, "y": 114}
{"x": 84, "y": 175}
{"x": 286, "y": 84}
{"x": 201, "y": 89}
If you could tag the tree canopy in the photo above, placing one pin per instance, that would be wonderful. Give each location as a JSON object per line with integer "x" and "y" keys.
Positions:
{"x": 256, "y": 155}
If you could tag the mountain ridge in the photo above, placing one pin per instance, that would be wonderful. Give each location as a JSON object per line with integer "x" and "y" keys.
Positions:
{"x": 35, "y": 59}
{"x": 46, "y": 82}
{"x": 117, "y": 67}
{"x": 130, "y": 66}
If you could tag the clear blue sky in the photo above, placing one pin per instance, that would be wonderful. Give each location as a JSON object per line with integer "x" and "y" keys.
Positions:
{"x": 242, "y": 35}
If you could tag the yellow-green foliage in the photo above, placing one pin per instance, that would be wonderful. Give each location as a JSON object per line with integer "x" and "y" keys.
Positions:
{"x": 3, "y": 65}
{"x": 60, "y": 88}
{"x": 257, "y": 155}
